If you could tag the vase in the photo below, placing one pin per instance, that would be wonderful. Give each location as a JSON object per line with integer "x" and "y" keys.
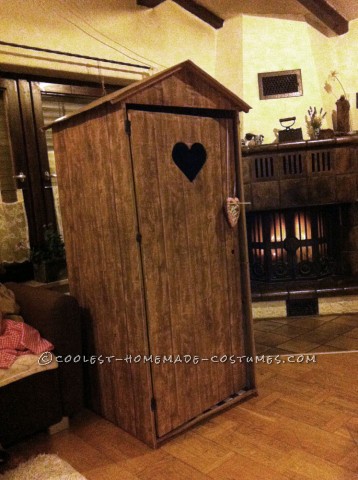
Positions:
{"x": 343, "y": 108}
{"x": 316, "y": 132}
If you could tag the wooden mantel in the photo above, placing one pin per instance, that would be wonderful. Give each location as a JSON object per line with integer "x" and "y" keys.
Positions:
{"x": 299, "y": 174}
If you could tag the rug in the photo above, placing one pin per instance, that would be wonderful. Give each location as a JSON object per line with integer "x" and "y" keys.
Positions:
{"x": 43, "y": 467}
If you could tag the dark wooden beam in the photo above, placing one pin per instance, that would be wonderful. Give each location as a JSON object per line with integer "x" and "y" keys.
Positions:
{"x": 149, "y": 3}
{"x": 198, "y": 10}
{"x": 201, "y": 12}
{"x": 327, "y": 15}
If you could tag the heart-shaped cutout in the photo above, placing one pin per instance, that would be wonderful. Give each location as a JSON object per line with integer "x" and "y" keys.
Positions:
{"x": 189, "y": 160}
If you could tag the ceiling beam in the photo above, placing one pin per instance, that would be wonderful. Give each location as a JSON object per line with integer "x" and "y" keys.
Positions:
{"x": 327, "y": 15}
{"x": 198, "y": 10}
{"x": 201, "y": 12}
{"x": 149, "y": 3}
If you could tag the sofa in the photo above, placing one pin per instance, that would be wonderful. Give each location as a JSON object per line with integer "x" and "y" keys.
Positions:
{"x": 42, "y": 399}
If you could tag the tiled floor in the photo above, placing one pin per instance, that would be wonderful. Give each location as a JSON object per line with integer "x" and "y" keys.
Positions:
{"x": 329, "y": 333}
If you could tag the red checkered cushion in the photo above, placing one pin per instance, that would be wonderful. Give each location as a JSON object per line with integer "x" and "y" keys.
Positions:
{"x": 18, "y": 338}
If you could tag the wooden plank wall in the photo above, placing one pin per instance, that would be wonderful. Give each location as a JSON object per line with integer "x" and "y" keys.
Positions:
{"x": 97, "y": 205}
{"x": 182, "y": 89}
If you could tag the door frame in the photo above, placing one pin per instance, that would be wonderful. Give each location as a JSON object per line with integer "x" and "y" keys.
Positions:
{"x": 22, "y": 95}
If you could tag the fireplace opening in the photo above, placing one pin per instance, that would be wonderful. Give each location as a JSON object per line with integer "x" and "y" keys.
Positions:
{"x": 296, "y": 244}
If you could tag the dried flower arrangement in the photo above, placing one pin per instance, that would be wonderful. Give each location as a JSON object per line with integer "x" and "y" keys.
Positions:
{"x": 334, "y": 77}
{"x": 342, "y": 103}
{"x": 314, "y": 121}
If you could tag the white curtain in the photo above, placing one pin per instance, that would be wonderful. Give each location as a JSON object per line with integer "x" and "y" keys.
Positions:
{"x": 14, "y": 238}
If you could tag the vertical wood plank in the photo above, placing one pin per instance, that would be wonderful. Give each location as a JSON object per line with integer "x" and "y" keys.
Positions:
{"x": 230, "y": 188}
{"x": 244, "y": 262}
{"x": 133, "y": 303}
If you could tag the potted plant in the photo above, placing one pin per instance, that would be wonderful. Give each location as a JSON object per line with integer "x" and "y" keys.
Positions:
{"x": 49, "y": 257}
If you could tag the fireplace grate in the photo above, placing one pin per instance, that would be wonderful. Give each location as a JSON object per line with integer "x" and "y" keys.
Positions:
{"x": 294, "y": 243}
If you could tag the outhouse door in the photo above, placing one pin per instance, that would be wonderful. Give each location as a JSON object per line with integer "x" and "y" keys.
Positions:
{"x": 184, "y": 169}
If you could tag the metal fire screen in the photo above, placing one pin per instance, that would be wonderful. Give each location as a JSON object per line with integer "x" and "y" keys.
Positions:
{"x": 294, "y": 243}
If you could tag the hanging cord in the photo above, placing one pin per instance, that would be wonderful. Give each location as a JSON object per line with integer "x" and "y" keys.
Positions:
{"x": 71, "y": 10}
{"x": 101, "y": 77}
{"x": 100, "y": 41}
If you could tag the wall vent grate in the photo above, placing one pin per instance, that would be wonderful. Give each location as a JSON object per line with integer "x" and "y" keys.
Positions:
{"x": 280, "y": 84}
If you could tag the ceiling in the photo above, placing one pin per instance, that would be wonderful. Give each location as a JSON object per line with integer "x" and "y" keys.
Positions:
{"x": 331, "y": 17}
{"x": 231, "y": 8}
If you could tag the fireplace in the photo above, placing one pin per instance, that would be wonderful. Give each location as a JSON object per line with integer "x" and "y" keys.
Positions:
{"x": 303, "y": 243}
{"x": 302, "y": 221}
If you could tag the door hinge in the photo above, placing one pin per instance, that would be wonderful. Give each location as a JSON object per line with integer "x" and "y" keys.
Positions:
{"x": 153, "y": 404}
{"x": 139, "y": 237}
{"x": 127, "y": 127}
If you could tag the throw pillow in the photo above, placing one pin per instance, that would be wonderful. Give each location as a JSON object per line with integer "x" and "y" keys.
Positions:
{"x": 8, "y": 304}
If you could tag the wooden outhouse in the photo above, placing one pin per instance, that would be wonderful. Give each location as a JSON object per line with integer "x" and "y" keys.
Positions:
{"x": 143, "y": 175}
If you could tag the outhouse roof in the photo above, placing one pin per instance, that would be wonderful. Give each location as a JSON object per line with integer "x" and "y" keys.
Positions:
{"x": 124, "y": 94}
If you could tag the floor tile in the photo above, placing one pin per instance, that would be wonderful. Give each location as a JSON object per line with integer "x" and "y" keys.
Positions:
{"x": 318, "y": 337}
{"x": 280, "y": 320}
{"x": 298, "y": 346}
{"x": 291, "y": 330}
{"x": 309, "y": 334}
{"x": 265, "y": 325}
{"x": 278, "y": 351}
{"x": 310, "y": 323}
{"x": 269, "y": 338}
{"x": 345, "y": 342}
{"x": 347, "y": 320}
{"x": 332, "y": 328}
{"x": 328, "y": 349}
{"x": 352, "y": 333}
{"x": 261, "y": 348}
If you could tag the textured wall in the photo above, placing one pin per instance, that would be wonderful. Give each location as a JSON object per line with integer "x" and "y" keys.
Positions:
{"x": 273, "y": 44}
{"x": 160, "y": 37}
{"x": 300, "y": 44}
{"x": 270, "y": 45}
{"x": 166, "y": 35}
